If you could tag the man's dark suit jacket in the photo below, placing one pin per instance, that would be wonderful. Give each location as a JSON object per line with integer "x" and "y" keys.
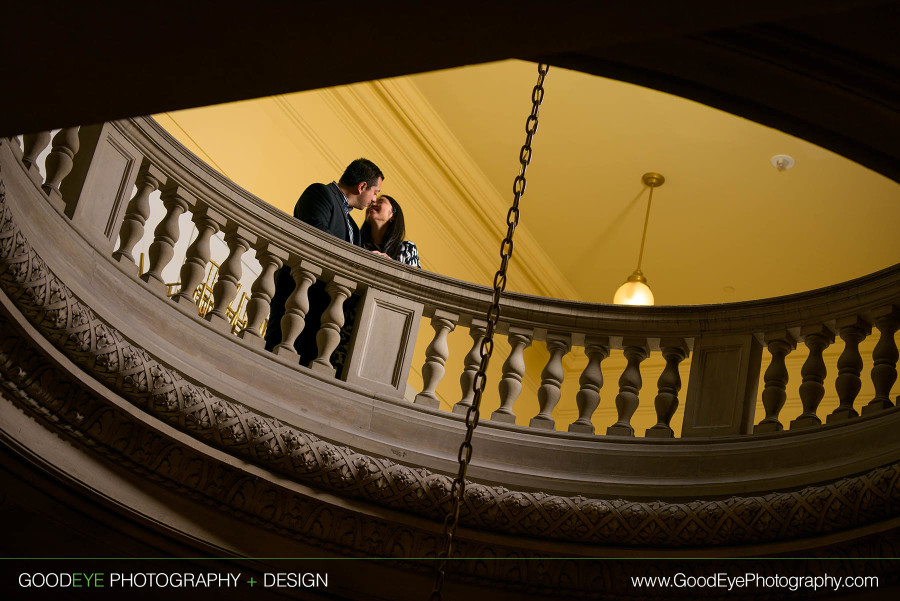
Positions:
{"x": 320, "y": 205}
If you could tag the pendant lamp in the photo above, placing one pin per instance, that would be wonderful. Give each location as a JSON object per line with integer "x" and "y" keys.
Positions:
{"x": 635, "y": 290}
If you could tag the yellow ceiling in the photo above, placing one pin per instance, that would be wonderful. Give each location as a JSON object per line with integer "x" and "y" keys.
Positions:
{"x": 726, "y": 225}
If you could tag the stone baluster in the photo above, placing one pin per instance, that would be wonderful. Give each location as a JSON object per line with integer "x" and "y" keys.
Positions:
{"x": 137, "y": 212}
{"x": 197, "y": 256}
{"x": 329, "y": 335}
{"x": 591, "y": 381}
{"x": 436, "y": 355}
{"x": 780, "y": 344}
{"x": 261, "y": 291}
{"x": 513, "y": 372}
{"x": 636, "y": 350}
{"x": 296, "y": 307}
{"x": 470, "y": 366}
{"x": 674, "y": 351}
{"x": 884, "y": 359}
{"x": 59, "y": 163}
{"x": 813, "y": 372}
{"x": 15, "y": 146}
{"x": 853, "y": 330}
{"x": 34, "y": 145}
{"x": 551, "y": 379}
{"x": 230, "y": 270}
{"x": 176, "y": 200}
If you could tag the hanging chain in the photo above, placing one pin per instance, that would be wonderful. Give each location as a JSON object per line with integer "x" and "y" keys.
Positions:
{"x": 457, "y": 491}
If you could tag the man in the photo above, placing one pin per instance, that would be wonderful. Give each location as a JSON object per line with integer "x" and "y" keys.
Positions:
{"x": 326, "y": 207}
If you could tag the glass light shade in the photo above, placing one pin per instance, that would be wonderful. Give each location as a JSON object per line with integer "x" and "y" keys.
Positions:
{"x": 633, "y": 293}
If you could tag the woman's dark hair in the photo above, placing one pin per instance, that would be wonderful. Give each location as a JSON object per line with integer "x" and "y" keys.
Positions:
{"x": 393, "y": 236}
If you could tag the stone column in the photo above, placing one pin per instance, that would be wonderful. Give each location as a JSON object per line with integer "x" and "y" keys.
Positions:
{"x": 270, "y": 260}
{"x": 329, "y": 334}
{"x": 296, "y": 307}
{"x": 591, "y": 381}
{"x": 225, "y": 288}
{"x": 470, "y": 366}
{"x": 59, "y": 163}
{"x": 436, "y": 355}
{"x": 674, "y": 351}
{"x": 636, "y": 350}
{"x": 137, "y": 212}
{"x": 780, "y": 344}
{"x": 14, "y": 146}
{"x": 176, "y": 201}
{"x": 513, "y": 372}
{"x": 813, "y": 372}
{"x": 34, "y": 145}
{"x": 551, "y": 379}
{"x": 197, "y": 256}
{"x": 884, "y": 359}
{"x": 853, "y": 330}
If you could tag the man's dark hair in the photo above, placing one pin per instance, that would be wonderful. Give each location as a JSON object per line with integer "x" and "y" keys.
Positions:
{"x": 361, "y": 170}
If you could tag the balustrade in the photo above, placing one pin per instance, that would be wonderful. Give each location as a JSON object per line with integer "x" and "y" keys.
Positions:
{"x": 780, "y": 344}
{"x": 551, "y": 379}
{"x": 296, "y": 307}
{"x": 329, "y": 335}
{"x": 853, "y": 330}
{"x": 176, "y": 201}
{"x": 33, "y": 146}
{"x": 591, "y": 381}
{"x": 270, "y": 259}
{"x": 198, "y": 253}
{"x": 435, "y": 356}
{"x": 812, "y": 389}
{"x": 15, "y": 146}
{"x": 728, "y": 358}
{"x": 137, "y": 212}
{"x": 470, "y": 366}
{"x": 229, "y": 275}
{"x": 884, "y": 358}
{"x": 59, "y": 163}
{"x": 629, "y": 386}
{"x": 666, "y": 403}
{"x": 513, "y": 372}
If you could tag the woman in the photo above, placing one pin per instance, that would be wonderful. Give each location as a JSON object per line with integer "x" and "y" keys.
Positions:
{"x": 384, "y": 229}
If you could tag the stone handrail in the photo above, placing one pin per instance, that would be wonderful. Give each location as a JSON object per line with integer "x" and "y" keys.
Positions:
{"x": 725, "y": 341}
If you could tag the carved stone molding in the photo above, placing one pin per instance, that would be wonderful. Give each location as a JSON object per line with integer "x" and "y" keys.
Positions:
{"x": 108, "y": 356}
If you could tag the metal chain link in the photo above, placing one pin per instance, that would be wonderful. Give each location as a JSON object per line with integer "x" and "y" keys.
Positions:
{"x": 464, "y": 456}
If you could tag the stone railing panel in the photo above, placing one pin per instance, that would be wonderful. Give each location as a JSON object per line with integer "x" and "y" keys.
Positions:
{"x": 382, "y": 346}
{"x": 96, "y": 191}
{"x": 721, "y": 395}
